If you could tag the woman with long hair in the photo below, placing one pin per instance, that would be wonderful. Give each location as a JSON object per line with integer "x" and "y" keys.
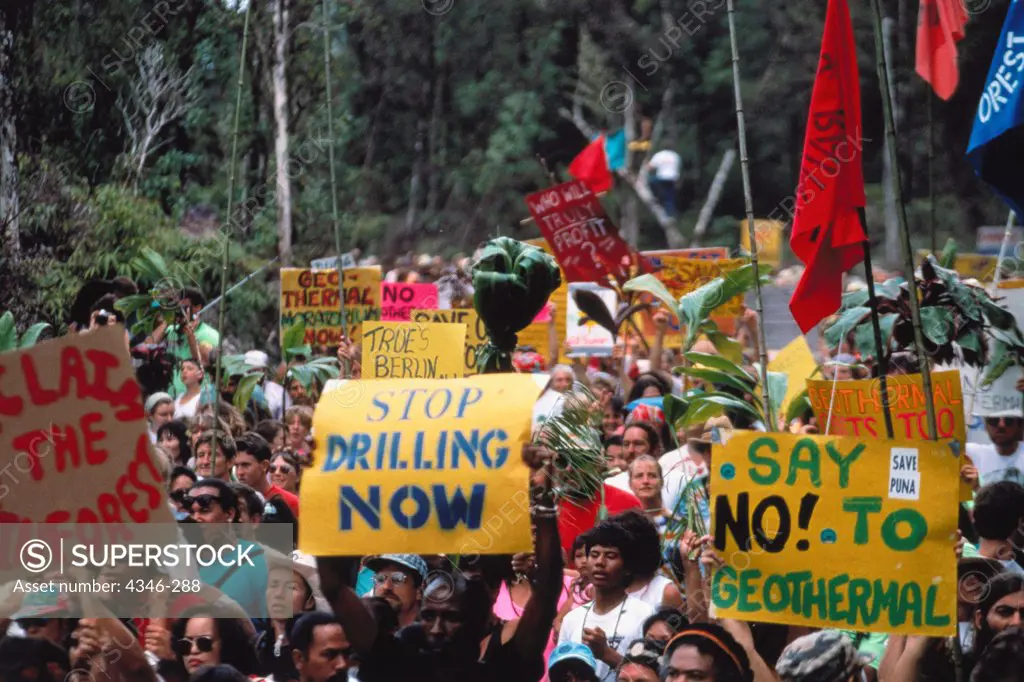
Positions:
{"x": 173, "y": 438}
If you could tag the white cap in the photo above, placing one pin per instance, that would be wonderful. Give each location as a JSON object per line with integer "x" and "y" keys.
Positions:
{"x": 305, "y": 565}
{"x": 257, "y": 358}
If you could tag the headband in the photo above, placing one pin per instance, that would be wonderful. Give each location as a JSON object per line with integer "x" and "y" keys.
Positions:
{"x": 710, "y": 637}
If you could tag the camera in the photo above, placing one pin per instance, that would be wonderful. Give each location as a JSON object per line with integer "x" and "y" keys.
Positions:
{"x": 103, "y": 318}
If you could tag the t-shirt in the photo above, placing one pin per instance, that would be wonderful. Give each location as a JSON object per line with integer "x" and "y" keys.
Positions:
{"x": 994, "y": 467}
{"x": 678, "y": 470}
{"x": 666, "y": 165}
{"x": 577, "y": 517}
{"x": 177, "y": 348}
{"x": 291, "y": 499}
{"x": 653, "y": 593}
{"x": 246, "y": 585}
{"x": 621, "y": 625}
{"x": 186, "y": 409}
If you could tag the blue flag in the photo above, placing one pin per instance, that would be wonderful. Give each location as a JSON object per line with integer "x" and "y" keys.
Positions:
{"x": 996, "y": 149}
{"x": 615, "y": 150}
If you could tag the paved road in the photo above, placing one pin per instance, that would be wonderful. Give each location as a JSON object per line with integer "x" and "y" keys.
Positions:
{"x": 779, "y": 327}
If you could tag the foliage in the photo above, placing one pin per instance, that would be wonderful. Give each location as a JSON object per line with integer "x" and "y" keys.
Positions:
{"x": 9, "y": 339}
{"x": 511, "y": 281}
{"x": 960, "y": 322}
{"x": 574, "y": 436}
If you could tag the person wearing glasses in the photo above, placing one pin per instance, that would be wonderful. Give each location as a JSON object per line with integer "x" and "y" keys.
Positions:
{"x": 1003, "y": 460}
{"x": 252, "y": 467}
{"x": 398, "y": 578}
{"x": 284, "y": 473}
{"x": 196, "y": 642}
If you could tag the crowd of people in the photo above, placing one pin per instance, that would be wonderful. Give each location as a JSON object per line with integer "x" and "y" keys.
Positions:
{"x": 616, "y": 588}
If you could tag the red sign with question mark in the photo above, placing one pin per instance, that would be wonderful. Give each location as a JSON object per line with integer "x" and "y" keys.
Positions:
{"x": 585, "y": 241}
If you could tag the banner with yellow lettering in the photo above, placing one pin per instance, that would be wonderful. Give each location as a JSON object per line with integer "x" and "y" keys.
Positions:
{"x": 413, "y": 350}
{"x": 476, "y": 334}
{"x": 312, "y": 296}
{"x": 420, "y": 466}
{"x": 831, "y": 532}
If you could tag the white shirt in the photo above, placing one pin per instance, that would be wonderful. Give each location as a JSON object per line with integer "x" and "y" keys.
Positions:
{"x": 993, "y": 467}
{"x": 274, "y": 393}
{"x": 653, "y": 594}
{"x": 621, "y": 625}
{"x": 620, "y": 481}
{"x": 678, "y": 470}
{"x": 186, "y": 409}
{"x": 666, "y": 165}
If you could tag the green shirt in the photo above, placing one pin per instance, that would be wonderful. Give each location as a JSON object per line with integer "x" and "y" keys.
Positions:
{"x": 177, "y": 347}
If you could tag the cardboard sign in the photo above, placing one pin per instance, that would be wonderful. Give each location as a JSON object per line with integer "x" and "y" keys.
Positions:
{"x": 476, "y": 334}
{"x": 797, "y": 362}
{"x": 398, "y": 300}
{"x": 589, "y": 338}
{"x": 584, "y": 240}
{"x": 990, "y": 239}
{"x": 421, "y": 466}
{"x": 73, "y": 438}
{"x": 830, "y": 532}
{"x": 312, "y": 296}
{"x": 768, "y": 237}
{"x": 683, "y": 275}
{"x": 413, "y": 350}
{"x": 347, "y": 261}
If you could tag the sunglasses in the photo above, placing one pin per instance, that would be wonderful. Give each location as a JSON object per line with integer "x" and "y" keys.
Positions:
{"x": 282, "y": 469}
{"x": 1009, "y": 421}
{"x": 183, "y": 647}
{"x": 395, "y": 578}
{"x": 179, "y": 496}
{"x": 204, "y": 502}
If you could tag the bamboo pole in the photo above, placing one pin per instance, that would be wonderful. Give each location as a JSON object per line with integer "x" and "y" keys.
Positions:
{"x": 334, "y": 181}
{"x": 931, "y": 172}
{"x": 901, "y": 214}
{"x": 881, "y": 354}
{"x": 748, "y": 202}
{"x": 227, "y": 240}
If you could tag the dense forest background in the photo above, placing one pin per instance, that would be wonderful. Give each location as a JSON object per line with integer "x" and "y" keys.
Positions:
{"x": 116, "y": 124}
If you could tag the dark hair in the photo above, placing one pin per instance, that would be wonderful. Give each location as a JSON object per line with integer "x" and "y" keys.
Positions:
{"x": 194, "y": 296}
{"x": 269, "y": 428}
{"x": 254, "y": 444}
{"x": 20, "y": 655}
{"x": 179, "y": 430}
{"x": 474, "y": 599}
{"x": 248, "y": 496}
{"x": 280, "y": 512}
{"x": 998, "y": 587}
{"x": 730, "y": 660}
{"x": 183, "y": 471}
{"x": 674, "y": 618}
{"x": 228, "y": 498}
{"x": 106, "y": 303}
{"x": 646, "y": 553}
{"x": 288, "y": 457}
{"x": 494, "y": 569}
{"x": 998, "y": 510}
{"x": 613, "y": 440}
{"x": 383, "y": 614}
{"x": 645, "y": 381}
{"x": 1002, "y": 659}
{"x": 225, "y": 443}
{"x": 617, "y": 406}
{"x": 217, "y": 673}
{"x": 304, "y": 630}
{"x": 653, "y": 438}
{"x": 612, "y": 532}
{"x": 235, "y": 649}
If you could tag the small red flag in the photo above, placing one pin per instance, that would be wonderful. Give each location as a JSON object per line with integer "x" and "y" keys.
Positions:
{"x": 591, "y": 166}
{"x": 827, "y": 233}
{"x": 940, "y": 25}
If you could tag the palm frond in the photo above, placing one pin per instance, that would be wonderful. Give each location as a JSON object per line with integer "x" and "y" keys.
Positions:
{"x": 575, "y": 439}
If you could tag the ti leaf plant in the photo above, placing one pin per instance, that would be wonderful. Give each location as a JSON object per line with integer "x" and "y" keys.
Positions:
{"x": 959, "y": 321}
{"x": 595, "y": 310}
{"x": 9, "y": 339}
{"x": 160, "y": 303}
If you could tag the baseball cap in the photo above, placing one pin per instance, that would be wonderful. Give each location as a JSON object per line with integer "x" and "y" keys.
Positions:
{"x": 414, "y": 562}
{"x": 257, "y": 358}
{"x": 823, "y": 656}
{"x": 572, "y": 651}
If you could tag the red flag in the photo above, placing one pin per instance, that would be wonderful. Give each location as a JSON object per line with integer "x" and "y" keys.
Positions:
{"x": 591, "y": 166}
{"x": 940, "y": 25}
{"x": 827, "y": 233}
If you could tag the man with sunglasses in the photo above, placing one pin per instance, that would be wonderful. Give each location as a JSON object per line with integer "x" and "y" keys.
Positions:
{"x": 398, "y": 578}
{"x": 252, "y": 462}
{"x": 1003, "y": 460}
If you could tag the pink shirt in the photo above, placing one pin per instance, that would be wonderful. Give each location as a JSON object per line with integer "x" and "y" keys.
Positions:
{"x": 506, "y": 609}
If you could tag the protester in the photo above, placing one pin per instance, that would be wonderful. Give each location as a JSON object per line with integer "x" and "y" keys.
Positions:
{"x": 320, "y": 649}
{"x": 196, "y": 642}
{"x": 173, "y": 438}
{"x": 1003, "y": 460}
{"x": 159, "y": 410}
{"x": 824, "y": 656}
{"x": 999, "y": 522}
{"x": 191, "y": 373}
{"x": 398, "y": 578}
{"x": 642, "y": 662}
{"x": 209, "y": 466}
{"x": 182, "y": 481}
{"x": 639, "y": 438}
{"x": 299, "y": 421}
{"x": 705, "y": 651}
{"x": 571, "y": 662}
{"x": 645, "y": 481}
{"x": 252, "y": 467}
{"x": 273, "y": 432}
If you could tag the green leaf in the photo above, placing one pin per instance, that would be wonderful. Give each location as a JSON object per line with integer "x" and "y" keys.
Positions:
{"x": 8, "y": 333}
{"x": 31, "y": 335}
{"x": 243, "y": 392}
{"x": 947, "y": 258}
{"x": 854, "y": 299}
{"x": 714, "y": 376}
{"x": 720, "y": 363}
{"x": 697, "y": 305}
{"x": 730, "y": 348}
{"x": 970, "y": 340}
{"x": 996, "y": 315}
{"x": 698, "y": 412}
{"x": 937, "y": 324}
{"x": 799, "y": 405}
{"x": 649, "y": 284}
{"x": 778, "y": 384}
{"x": 674, "y": 408}
{"x": 293, "y": 336}
{"x": 297, "y": 352}
{"x": 709, "y": 405}
{"x": 844, "y": 325}
{"x": 890, "y": 289}
{"x": 864, "y": 334}
{"x": 999, "y": 360}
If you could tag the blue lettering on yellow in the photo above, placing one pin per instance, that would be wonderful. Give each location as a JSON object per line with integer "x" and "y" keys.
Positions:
{"x": 369, "y": 508}
{"x": 422, "y": 513}
{"x": 455, "y": 510}
{"x": 470, "y": 396}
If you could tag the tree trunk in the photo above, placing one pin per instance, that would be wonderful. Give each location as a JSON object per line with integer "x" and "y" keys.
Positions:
{"x": 630, "y": 217}
{"x": 284, "y": 187}
{"x": 892, "y": 228}
{"x": 707, "y": 212}
{"x": 416, "y": 181}
{"x": 9, "y": 210}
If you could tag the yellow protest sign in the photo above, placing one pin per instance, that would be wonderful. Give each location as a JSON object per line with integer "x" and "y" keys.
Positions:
{"x": 832, "y": 532}
{"x": 683, "y": 275}
{"x": 768, "y": 237}
{"x": 312, "y": 297}
{"x": 797, "y": 362}
{"x": 413, "y": 350}
{"x": 476, "y": 335}
{"x": 421, "y": 466}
